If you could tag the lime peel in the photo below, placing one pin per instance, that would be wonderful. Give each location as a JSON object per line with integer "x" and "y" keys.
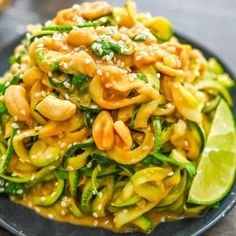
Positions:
{"x": 216, "y": 170}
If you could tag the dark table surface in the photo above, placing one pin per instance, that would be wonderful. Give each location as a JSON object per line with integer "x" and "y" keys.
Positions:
{"x": 210, "y": 22}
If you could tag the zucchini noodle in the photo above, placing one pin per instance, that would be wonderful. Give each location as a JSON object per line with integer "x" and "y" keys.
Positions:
{"x": 104, "y": 115}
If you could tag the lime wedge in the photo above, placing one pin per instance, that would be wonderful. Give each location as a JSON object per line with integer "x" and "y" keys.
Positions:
{"x": 217, "y": 166}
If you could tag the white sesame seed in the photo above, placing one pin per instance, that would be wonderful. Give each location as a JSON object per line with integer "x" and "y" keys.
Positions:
{"x": 53, "y": 194}
{"x": 106, "y": 222}
{"x": 99, "y": 206}
{"x": 42, "y": 198}
{"x": 40, "y": 45}
{"x": 37, "y": 209}
{"x": 7, "y": 84}
{"x": 99, "y": 72}
{"x": 67, "y": 97}
{"x": 65, "y": 47}
{"x": 23, "y": 112}
{"x": 87, "y": 60}
{"x": 52, "y": 167}
{"x": 49, "y": 74}
{"x": 50, "y": 216}
{"x": 95, "y": 214}
{"x": 43, "y": 93}
{"x": 18, "y": 132}
{"x": 37, "y": 94}
{"x": 64, "y": 203}
{"x": 66, "y": 65}
{"x": 158, "y": 75}
{"x": 125, "y": 211}
{"x": 19, "y": 191}
{"x": 15, "y": 126}
{"x": 138, "y": 58}
{"x": 38, "y": 127}
{"x": 62, "y": 144}
{"x": 100, "y": 194}
{"x": 171, "y": 173}
{"x": 185, "y": 143}
{"x": 66, "y": 84}
{"x": 95, "y": 223}
{"x": 108, "y": 85}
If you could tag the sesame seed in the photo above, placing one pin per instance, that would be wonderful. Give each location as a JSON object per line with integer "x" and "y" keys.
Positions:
{"x": 158, "y": 75}
{"x": 66, "y": 65}
{"x": 49, "y": 156}
{"x": 100, "y": 194}
{"x": 63, "y": 212}
{"x": 23, "y": 112}
{"x": 99, "y": 72}
{"x": 171, "y": 173}
{"x": 7, "y": 84}
{"x": 62, "y": 144}
{"x": 65, "y": 47}
{"x": 185, "y": 143}
{"x": 19, "y": 191}
{"x": 32, "y": 177}
{"x": 125, "y": 211}
{"x": 50, "y": 74}
{"x": 43, "y": 93}
{"x": 67, "y": 97}
{"x": 38, "y": 127}
{"x": 66, "y": 84}
{"x": 87, "y": 60}
{"x": 95, "y": 223}
{"x": 37, "y": 209}
{"x": 52, "y": 167}
{"x": 2, "y": 190}
{"x": 138, "y": 58}
{"x": 18, "y": 132}
{"x": 63, "y": 203}
{"x": 15, "y": 126}
{"x": 108, "y": 85}
{"x": 48, "y": 22}
{"x": 99, "y": 206}
{"x": 40, "y": 45}
{"x": 42, "y": 198}
{"x": 50, "y": 216}
{"x": 37, "y": 94}
{"x": 169, "y": 105}
{"x": 95, "y": 214}
{"x": 106, "y": 222}
{"x": 53, "y": 194}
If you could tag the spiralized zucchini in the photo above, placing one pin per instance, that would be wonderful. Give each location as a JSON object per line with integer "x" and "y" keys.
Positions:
{"x": 104, "y": 115}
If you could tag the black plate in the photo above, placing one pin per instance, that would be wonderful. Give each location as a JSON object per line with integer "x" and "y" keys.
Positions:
{"x": 25, "y": 222}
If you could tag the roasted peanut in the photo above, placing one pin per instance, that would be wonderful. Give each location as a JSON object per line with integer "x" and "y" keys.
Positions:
{"x": 93, "y": 10}
{"x": 31, "y": 75}
{"x": 82, "y": 62}
{"x": 79, "y": 37}
{"x": 16, "y": 102}
{"x": 103, "y": 132}
{"x": 124, "y": 134}
{"x": 56, "y": 109}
